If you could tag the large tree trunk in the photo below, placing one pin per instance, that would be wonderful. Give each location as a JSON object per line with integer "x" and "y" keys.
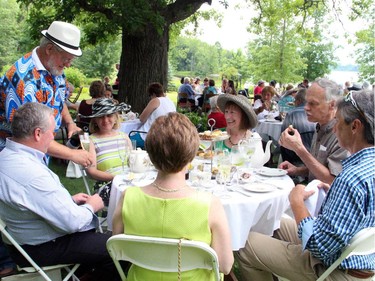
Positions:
{"x": 144, "y": 59}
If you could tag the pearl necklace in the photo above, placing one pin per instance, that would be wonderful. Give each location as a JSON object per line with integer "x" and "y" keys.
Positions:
{"x": 167, "y": 189}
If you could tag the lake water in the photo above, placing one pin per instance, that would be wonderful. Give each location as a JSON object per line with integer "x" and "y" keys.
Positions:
{"x": 341, "y": 77}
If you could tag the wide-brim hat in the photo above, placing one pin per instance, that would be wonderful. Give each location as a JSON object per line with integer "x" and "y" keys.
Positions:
{"x": 243, "y": 102}
{"x": 65, "y": 35}
{"x": 105, "y": 106}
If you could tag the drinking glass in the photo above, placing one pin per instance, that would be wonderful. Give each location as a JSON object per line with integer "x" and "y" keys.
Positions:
{"x": 204, "y": 144}
{"x": 123, "y": 148}
{"x": 236, "y": 157}
{"x": 224, "y": 166}
{"x": 247, "y": 149}
{"x": 85, "y": 141}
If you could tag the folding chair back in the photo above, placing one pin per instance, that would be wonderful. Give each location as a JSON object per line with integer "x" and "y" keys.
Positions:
{"x": 34, "y": 266}
{"x": 146, "y": 251}
{"x": 183, "y": 101}
{"x": 362, "y": 243}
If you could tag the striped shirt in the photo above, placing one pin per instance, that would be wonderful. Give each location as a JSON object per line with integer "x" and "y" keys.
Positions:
{"x": 348, "y": 208}
{"x": 107, "y": 154}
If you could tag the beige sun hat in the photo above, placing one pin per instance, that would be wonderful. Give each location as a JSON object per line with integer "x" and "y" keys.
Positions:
{"x": 243, "y": 102}
{"x": 65, "y": 35}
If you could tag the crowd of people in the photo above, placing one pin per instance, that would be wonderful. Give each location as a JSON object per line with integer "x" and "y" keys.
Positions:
{"x": 331, "y": 140}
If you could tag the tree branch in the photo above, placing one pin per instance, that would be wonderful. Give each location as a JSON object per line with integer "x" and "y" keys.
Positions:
{"x": 182, "y": 9}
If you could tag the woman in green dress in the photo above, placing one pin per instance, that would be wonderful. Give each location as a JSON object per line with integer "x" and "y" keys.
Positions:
{"x": 169, "y": 207}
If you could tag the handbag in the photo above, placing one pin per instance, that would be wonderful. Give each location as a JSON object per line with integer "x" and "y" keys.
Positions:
{"x": 73, "y": 170}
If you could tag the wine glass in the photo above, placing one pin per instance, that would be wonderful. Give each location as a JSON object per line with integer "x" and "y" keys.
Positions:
{"x": 237, "y": 158}
{"x": 123, "y": 149}
{"x": 247, "y": 148}
{"x": 204, "y": 144}
{"x": 85, "y": 141}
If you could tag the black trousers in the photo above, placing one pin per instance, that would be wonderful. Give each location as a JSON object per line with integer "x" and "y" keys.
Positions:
{"x": 86, "y": 248}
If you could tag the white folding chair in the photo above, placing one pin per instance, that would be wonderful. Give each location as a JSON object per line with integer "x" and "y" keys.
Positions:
{"x": 35, "y": 268}
{"x": 362, "y": 243}
{"x": 162, "y": 254}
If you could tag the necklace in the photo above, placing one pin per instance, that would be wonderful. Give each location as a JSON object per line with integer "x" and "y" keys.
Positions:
{"x": 230, "y": 141}
{"x": 167, "y": 189}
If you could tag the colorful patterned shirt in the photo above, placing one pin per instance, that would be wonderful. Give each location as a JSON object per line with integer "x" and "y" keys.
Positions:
{"x": 28, "y": 81}
{"x": 348, "y": 208}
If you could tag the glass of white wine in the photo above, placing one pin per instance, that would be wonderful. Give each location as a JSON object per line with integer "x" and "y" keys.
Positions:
{"x": 123, "y": 148}
{"x": 85, "y": 141}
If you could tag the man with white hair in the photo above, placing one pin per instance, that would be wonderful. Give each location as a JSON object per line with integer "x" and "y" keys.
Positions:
{"x": 323, "y": 160}
{"x": 304, "y": 247}
{"x": 39, "y": 77}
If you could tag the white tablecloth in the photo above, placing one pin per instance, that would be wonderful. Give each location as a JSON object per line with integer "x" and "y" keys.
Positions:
{"x": 130, "y": 125}
{"x": 272, "y": 129}
{"x": 261, "y": 212}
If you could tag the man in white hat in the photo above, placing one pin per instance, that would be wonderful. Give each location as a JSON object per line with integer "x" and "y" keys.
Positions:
{"x": 39, "y": 77}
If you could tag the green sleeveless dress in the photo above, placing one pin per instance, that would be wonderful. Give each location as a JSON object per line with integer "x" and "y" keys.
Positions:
{"x": 168, "y": 218}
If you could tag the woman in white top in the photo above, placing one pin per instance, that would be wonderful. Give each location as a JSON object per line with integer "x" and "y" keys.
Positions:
{"x": 266, "y": 107}
{"x": 158, "y": 105}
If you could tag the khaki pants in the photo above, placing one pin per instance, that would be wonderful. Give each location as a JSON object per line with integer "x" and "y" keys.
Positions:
{"x": 283, "y": 256}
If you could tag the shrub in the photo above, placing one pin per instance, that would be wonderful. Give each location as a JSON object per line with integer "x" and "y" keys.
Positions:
{"x": 75, "y": 76}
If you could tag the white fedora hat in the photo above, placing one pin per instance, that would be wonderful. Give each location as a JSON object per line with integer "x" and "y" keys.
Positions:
{"x": 64, "y": 35}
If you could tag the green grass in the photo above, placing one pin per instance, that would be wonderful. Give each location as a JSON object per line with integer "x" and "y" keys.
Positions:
{"x": 73, "y": 185}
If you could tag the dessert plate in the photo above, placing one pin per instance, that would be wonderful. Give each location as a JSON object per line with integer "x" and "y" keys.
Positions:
{"x": 271, "y": 172}
{"x": 259, "y": 187}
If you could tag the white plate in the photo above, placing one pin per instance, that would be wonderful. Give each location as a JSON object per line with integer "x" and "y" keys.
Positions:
{"x": 271, "y": 172}
{"x": 272, "y": 120}
{"x": 259, "y": 187}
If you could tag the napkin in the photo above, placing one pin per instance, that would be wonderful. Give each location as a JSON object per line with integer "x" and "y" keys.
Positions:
{"x": 314, "y": 202}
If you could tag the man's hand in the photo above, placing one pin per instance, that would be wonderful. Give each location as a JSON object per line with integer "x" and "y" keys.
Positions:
{"x": 290, "y": 168}
{"x": 291, "y": 142}
{"x": 82, "y": 157}
{"x": 73, "y": 129}
{"x": 298, "y": 194}
{"x": 80, "y": 198}
{"x": 96, "y": 202}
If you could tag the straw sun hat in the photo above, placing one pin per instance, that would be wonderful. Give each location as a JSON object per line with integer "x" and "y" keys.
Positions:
{"x": 65, "y": 35}
{"x": 105, "y": 106}
{"x": 242, "y": 102}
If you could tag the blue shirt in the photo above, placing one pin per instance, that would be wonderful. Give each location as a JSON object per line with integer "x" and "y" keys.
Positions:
{"x": 187, "y": 88}
{"x": 348, "y": 208}
{"x": 28, "y": 81}
{"x": 34, "y": 205}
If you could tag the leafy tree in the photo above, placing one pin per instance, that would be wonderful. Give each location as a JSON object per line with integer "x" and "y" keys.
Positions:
{"x": 144, "y": 26}
{"x": 99, "y": 60}
{"x": 10, "y": 17}
{"x": 365, "y": 40}
{"x": 287, "y": 49}
{"x": 193, "y": 55}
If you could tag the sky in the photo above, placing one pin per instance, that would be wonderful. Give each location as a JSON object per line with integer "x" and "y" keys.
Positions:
{"x": 233, "y": 35}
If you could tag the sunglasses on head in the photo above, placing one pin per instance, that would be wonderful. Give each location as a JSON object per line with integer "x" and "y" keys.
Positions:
{"x": 349, "y": 97}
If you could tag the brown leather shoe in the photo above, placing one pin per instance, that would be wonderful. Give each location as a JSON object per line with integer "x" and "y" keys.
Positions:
{"x": 7, "y": 272}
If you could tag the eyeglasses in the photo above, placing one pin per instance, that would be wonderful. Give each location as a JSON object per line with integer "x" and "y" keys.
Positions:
{"x": 349, "y": 97}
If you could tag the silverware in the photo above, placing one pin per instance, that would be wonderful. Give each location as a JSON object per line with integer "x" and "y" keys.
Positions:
{"x": 239, "y": 190}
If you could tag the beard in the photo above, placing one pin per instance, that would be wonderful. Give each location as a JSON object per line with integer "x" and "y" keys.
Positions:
{"x": 51, "y": 67}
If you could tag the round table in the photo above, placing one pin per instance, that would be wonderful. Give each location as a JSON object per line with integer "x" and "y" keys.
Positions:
{"x": 256, "y": 211}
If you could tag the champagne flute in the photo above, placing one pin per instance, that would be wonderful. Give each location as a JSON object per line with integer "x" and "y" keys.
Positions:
{"x": 123, "y": 152}
{"x": 85, "y": 141}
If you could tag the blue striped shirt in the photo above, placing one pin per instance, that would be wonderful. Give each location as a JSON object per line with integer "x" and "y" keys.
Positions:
{"x": 348, "y": 208}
